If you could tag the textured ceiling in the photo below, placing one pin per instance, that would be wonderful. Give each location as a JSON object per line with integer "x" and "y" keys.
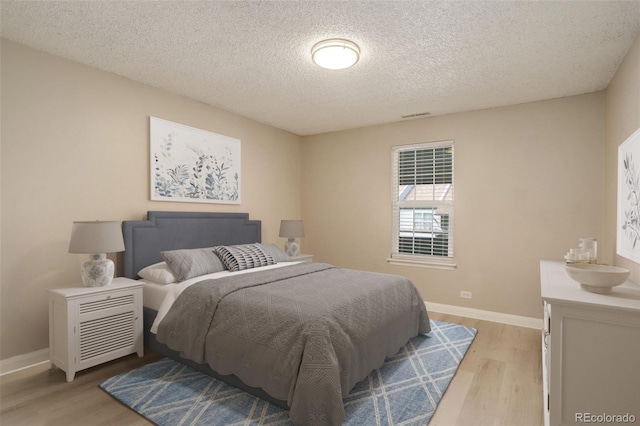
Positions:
{"x": 253, "y": 58}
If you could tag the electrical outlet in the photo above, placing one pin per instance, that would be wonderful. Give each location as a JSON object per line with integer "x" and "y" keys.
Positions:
{"x": 465, "y": 294}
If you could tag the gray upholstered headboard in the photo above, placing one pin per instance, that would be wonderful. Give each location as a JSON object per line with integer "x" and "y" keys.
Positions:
{"x": 145, "y": 239}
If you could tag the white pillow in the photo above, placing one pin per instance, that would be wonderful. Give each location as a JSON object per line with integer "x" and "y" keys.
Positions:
{"x": 158, "y": 273}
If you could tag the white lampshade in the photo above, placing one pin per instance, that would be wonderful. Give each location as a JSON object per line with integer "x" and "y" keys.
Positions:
{"x": 291, "y": 228}
{"x": 96, "y": 239}
{"x": 335, "y": 54}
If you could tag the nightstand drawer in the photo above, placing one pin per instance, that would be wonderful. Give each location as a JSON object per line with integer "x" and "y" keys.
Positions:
{"x": 106, "y": 302}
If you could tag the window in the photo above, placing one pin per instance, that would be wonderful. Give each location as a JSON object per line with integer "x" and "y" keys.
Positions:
{"x": 423, "y": 204}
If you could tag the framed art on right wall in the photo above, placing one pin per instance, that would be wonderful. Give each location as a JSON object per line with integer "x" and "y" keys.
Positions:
{"x": 628, "y": 223}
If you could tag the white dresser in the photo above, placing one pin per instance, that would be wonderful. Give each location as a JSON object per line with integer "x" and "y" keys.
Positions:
{"x": 92, "y": 325}
{"x": 590, "y": 351}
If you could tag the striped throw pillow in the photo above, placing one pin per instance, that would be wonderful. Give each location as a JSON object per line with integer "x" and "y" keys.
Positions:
{"x": 244, "y": 256}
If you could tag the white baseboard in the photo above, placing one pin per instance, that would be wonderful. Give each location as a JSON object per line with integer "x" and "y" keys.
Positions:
{"x": 20, "y": 362}
{"x": 520, "y": 321}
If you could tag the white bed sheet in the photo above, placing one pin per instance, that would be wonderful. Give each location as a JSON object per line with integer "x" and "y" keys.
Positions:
{"x": 161, "y": 296}
{"x": 154, "y": 293}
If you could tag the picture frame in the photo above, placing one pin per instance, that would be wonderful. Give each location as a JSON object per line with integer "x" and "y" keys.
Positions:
{"x": 628, "y": 214}
{"x": 193, "y": 165}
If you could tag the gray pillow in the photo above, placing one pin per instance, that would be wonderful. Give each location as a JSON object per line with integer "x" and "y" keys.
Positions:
{"x": 275, "y": 252}
{"x": 243, "y": 256}
{"x": 189, "y": 263}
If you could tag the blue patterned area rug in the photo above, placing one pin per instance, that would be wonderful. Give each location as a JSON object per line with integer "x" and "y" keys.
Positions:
{"x": 404, "y": 391}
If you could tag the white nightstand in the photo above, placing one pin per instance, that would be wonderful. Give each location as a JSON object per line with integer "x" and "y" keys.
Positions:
{"x": 303, "y": 258}
{"x": 92, "y": 325}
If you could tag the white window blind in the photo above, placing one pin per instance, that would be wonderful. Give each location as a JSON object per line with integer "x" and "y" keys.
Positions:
{"x": 423, "y": 185}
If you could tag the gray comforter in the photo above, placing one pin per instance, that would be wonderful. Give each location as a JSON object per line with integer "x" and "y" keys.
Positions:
{"x": 305, "y": 333}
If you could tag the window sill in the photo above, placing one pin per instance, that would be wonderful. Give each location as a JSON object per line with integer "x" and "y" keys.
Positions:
{"x": 422, "y": 263}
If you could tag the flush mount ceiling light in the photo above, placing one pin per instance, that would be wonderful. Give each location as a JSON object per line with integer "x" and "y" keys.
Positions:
{"x": 335, "y": 54}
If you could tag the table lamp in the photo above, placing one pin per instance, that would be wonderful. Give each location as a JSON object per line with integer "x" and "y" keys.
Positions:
{"x": 291, "y": 229}
{"x": 97, "y": 239}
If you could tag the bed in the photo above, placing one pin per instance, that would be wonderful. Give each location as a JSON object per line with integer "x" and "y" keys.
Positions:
{"x": 298, "y": 335}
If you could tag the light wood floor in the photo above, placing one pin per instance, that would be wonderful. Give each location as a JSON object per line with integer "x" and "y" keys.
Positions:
{"x": 499, "y": 382}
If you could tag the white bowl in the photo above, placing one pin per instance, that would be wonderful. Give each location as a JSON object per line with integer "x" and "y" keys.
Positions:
{"x": 597, "y": 278}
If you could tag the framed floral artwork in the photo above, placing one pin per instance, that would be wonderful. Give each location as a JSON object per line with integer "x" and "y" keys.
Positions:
{"x": 628, "y": 224}
{"x": 193, "y": 165}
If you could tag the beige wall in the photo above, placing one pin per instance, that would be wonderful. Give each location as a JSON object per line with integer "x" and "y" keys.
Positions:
{"x": 622, "y": 119}
{"x": 75, "y": 146}
{"x": 529, "y": 183}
